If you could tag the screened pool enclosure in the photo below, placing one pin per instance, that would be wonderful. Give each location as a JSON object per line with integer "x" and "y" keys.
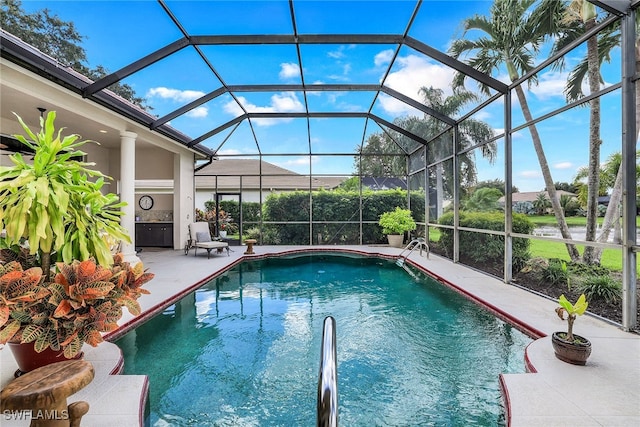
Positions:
{"x": 310, "y": 119}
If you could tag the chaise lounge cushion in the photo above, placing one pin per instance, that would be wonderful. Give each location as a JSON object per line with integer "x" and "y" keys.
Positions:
{"x": 203, "y": 236}
{"x": 200, "y": 230}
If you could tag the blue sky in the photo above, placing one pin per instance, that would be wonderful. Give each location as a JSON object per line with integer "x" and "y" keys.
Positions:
{"x": 119, "y": 32}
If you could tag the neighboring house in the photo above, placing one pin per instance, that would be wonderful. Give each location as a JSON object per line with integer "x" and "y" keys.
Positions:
{"x": 531, "y": 196}
{"x": 383, "y": 183}
{"x": 230, "y": 177}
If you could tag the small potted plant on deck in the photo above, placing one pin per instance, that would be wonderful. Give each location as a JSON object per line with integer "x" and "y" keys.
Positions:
{"x": 569, "y": 347}
{"x": 395, "y": 223}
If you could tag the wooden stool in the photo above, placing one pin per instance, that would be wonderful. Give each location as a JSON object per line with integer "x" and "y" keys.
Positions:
{"x": 250, "y": 243}
{"x": 44, "y": 392}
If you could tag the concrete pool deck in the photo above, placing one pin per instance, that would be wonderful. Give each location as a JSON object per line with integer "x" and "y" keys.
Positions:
{"x": 605, "y": 392}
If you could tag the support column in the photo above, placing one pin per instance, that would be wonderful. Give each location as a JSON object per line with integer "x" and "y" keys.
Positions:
{"x": 183, "y": 197}
{"x": 128, "y": 192}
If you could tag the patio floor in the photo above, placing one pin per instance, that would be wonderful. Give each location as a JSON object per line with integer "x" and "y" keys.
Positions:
{"x": 605, "y": 392}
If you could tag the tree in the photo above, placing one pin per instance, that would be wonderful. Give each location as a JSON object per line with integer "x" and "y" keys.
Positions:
{"x": 541, "y": 203}
{"x": 470, "y": 132}
{"x": 497, "y": 184}
{"x": 513, "y": 34}
{"x": 607, "y": 40}
{"x": 566, "y": 186}
{"x": 483, "y": 199}
{"x": 608, "y": 180}
{"x": 58, "y": 39}
{"x": 381, "y": 156}
{"x": 579, "y": 17}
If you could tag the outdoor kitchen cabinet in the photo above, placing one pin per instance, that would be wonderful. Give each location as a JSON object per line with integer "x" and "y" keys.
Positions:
{"x": 159, "y": 234}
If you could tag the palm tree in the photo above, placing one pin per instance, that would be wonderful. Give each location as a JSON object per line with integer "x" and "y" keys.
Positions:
{"x": 609, "y": 172}
{"x": 513, "y": 34}
{"x": 470, "y": 132}
{"x": 541, "y": 203}
{"x": 608, "y": 39}
{"x": 581, "y": 16}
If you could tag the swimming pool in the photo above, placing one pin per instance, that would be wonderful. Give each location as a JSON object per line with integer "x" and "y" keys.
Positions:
{"x": 244, "y": 349}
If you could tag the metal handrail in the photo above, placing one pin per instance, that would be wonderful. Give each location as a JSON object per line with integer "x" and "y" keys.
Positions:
{"x": 412, "y": 246}
{"x": 328, "y": 378}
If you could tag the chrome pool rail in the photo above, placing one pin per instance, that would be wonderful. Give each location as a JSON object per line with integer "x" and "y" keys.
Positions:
{"x": 412, "y": 246}
{"x": 328, "y": 377}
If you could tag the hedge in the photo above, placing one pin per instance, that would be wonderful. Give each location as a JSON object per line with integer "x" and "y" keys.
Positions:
{"x": 332, "y": 206}
{"x": 486, "y": 248}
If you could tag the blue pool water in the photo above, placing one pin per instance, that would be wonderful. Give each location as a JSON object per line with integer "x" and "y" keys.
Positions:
{"x": 244, "y": 349}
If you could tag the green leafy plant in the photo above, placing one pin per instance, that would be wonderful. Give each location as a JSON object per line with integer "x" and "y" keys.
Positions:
{"x": 55, "y": 202}
{"x": 601, "y": 288}
{"x": 572, "y": 311}
{"x": 83, "y": 300}
{"x": 397, "y": 221}
{"x": 557, "y": 272}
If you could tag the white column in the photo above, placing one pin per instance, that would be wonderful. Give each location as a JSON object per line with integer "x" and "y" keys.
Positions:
{"x": 183, "y": 197}
{"x": 128, "y": 192}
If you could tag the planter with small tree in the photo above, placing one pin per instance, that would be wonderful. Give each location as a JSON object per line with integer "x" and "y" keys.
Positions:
{"x": 58, "y": 223}
{"x": 570, "y": 347}
{"x": 395, "y": 223}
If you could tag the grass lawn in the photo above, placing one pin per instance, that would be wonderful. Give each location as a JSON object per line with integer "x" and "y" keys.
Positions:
{"x": 611, "y": 258}
{"x": 571, "y": 220}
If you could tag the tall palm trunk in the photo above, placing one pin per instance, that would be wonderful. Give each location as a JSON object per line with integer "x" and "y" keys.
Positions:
{"x": 546, "y": 173}
{"x": 613, "y": 210}
{"x": 593, "y": 181}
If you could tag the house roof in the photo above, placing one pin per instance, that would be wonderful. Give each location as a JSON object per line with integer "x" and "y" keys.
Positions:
{"x": 228, "y": 173}
{"x": 383, "y": 183}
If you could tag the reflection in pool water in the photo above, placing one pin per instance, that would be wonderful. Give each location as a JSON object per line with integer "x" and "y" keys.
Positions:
{"x": 244, "y": 350}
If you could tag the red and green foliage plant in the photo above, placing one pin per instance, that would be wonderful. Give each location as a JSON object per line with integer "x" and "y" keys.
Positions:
{"x": 83, "y": 301}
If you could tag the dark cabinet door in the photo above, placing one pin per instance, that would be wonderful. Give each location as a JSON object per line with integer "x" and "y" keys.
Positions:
{"x": 160, "y": 235}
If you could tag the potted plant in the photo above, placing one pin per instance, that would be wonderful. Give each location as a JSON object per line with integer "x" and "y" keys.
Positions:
{"x": 84, "y": 300}
{"x": 224, "y": 221}
{"x": 57, "y": 222}
{"x": 395, "y": 223}
{"x": 569, "y": 347}
{"x": 56, "y": 202}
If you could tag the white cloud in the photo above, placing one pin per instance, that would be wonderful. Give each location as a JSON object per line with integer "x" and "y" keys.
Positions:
{"x": 339, "y": 53}
{"x": 563, "y": 165}
{"x": 550, "y": 85}
{"x": 530, "y": 174}
{"x": 198, "y": 112}
{"x": 281, "y": 102}
{"x": 289, "y": 70}
{"x": 174, "y": 94}
{"x": 383, "y": 58}
{"x": 415, "y": 72}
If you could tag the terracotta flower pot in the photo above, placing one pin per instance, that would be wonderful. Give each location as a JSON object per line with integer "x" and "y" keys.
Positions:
{"x": 28, "y": 359}
{"x": 575, "y": 353}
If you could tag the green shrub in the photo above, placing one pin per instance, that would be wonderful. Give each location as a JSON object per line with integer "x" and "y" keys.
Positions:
{"x": 481, "y": 247}
{"x": 557, "y": 272}
{"x": 252, "y": 233}
{"x": 329, "y": 207}
{"x": 397, "y": 221}
{"x": 602, "y": 288}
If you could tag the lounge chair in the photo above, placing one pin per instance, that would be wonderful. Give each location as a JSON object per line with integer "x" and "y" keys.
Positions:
{"x": 201, "y": 238}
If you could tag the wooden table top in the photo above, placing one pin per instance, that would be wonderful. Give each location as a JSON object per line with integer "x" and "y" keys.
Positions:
{"x": 46, "y": 385}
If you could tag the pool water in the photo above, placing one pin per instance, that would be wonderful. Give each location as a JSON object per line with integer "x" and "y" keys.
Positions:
{"x": 244, "y": 349}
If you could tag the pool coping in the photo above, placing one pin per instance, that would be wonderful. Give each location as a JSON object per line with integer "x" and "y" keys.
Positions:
{"x": 525, "y": 396}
